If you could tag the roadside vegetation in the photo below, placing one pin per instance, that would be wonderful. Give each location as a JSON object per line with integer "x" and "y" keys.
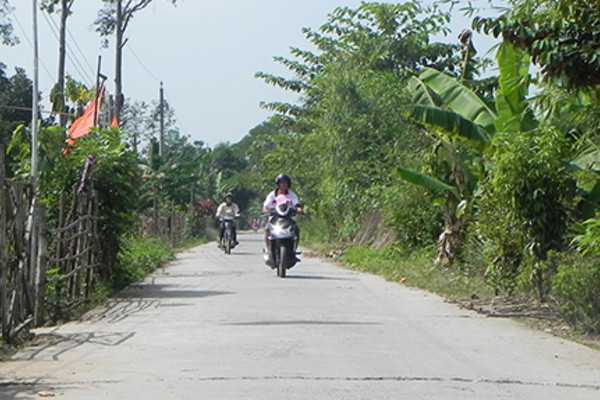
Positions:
{"x": 417, "y": 160}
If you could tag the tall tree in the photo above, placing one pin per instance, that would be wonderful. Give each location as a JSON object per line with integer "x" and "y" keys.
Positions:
{"x": 351, "y": 129}
{"x": 114, "y": 18}
{"x": 63, "y": 7}
{"x": 6, "y": 29}
{"x": 561, "y": 36}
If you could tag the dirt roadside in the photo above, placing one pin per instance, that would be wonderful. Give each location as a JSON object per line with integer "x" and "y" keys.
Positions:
{"x": 544, "y": 317}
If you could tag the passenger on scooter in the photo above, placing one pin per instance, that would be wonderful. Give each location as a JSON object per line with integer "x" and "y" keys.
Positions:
{"x": 283, "y": 183}
{"x": 227, "y": 209}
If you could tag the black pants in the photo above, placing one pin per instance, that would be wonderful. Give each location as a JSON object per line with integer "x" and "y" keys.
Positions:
{"x": 233, "y": 230}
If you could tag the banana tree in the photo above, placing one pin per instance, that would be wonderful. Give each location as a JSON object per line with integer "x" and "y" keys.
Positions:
{"x": 464, "y": 124}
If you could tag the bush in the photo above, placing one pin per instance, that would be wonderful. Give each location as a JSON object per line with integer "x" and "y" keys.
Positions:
{"x": 528, "y": 191}
{"x": 139, "y": 257}
{"x": 576, "y": 284}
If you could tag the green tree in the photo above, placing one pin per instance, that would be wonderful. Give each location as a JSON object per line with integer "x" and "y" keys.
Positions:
{"x": 6, "y": 29}
{"x": 350, "y": 129}
{"x": 15, "y": 101}
{"x": 560, "y": 36}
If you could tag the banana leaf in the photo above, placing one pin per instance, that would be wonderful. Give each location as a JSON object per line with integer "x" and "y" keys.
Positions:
{"x": 425, "y": 181}
{"x": 588, "y": 159}
{"x": 450, "y": 122}
{"x": 456, "y": 97}
{"x": 514, "y": 113}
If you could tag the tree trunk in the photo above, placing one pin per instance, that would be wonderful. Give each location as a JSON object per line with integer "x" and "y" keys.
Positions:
{"x": 449, "y": 240}
{"x": 119, "y": 62}
{"x": 60, "y": 84}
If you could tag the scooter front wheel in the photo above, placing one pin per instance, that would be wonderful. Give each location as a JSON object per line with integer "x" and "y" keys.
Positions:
{"x": 281, "y": 270}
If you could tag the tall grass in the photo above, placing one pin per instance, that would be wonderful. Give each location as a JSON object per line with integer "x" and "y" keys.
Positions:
{"x": 416, "y": 269}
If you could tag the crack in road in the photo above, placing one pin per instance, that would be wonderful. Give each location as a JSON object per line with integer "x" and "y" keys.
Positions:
{"x": 499, "y": 382}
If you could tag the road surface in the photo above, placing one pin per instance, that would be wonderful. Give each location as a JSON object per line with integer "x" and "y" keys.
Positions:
{"x": 216, "y": 326}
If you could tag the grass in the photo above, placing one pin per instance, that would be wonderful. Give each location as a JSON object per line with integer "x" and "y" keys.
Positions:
{"x": 417, "y": 270}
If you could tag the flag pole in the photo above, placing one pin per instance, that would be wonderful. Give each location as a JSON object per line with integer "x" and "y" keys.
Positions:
{"x": 99, "y": 76}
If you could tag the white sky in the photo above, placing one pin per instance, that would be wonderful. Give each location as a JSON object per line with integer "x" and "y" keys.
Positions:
{"x": 205, "y": 52}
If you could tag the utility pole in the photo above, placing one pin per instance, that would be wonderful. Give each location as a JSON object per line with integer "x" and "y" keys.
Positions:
{"x": 32, "y": 229}
{"x": 34, "y": 106}
{"x": 161, "y": 144}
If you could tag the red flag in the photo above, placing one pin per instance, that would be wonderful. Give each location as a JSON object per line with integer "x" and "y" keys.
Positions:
{"x": 90, "y": 118}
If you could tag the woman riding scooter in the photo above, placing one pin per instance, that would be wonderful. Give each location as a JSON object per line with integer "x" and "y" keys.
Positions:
{"x": 283, "y": 183}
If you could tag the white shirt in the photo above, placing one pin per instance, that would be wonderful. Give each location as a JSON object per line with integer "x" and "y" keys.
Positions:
{"x": 231, "y": 211}
{"x": 270, "y": 201}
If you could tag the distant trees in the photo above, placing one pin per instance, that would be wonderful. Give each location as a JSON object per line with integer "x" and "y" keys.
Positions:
{"x": 15, "y": 101}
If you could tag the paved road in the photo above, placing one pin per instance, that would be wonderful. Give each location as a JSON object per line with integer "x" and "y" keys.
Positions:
{"x": 211, "y": 326}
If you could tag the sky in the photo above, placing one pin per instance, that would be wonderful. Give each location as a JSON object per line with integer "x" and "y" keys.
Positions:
{"x": 206, "y": 53}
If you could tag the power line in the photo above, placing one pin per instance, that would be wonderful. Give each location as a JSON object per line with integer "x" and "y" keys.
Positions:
{"x": 79, "y": 49}
{"x": 24, "y": 33}
{"x": 142, "y": 64}
{"x": 74, "y": 61}
{"x": 179, "y": 124}
{"x": 185, "y": 131}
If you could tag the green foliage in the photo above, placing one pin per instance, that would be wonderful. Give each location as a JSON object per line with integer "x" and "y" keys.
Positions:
{"x": 6, "y": 29}
{"x": 351, "y": 132}
{"x": 456, "y": 97}
{"x": 15, "y": 101}
{"x": 415, "y": 269}
{"x": 577, "y": 283}
{"x": 116, "y": 178}
{"x": 425, "y": 181}
{"x": 588, "y": 239}
{"x": 137, "y": 258}
{"x": 496, "y": 243}
{"x": 414, "y": 217}
{"x": 531, "y": 188}
{"x": 176, "y": 178}
{"x": 560, "y": 36}
{"x": 512, "y": 105}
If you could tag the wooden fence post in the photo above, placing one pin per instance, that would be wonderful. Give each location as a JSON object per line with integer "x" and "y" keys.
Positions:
{"x": 39, "y": 280}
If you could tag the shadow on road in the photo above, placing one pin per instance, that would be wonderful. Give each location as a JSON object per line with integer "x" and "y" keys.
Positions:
{"x": 242, "y": 253}
{"x": 317, "y": 277}
{"x": 22, "y": 390}
{"x": 55, "y": 345}
{"x": 159, "y": 292}
{"x": 301, "y": 322}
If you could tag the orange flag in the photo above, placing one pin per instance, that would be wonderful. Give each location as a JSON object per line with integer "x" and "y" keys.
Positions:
{"x": 90, "y": 118}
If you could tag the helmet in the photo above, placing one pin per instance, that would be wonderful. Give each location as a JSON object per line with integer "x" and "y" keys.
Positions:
{"x": 228, "y": 195}
{"x": 283, "y": 178}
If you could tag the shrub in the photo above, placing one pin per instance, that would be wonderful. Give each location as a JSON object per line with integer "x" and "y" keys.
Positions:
{"x": 139, "y": 257}
{"x": 577, "y": 283}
